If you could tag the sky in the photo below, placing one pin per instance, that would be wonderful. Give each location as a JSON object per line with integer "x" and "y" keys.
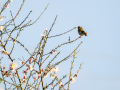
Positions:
{"x": 100, "y": 50}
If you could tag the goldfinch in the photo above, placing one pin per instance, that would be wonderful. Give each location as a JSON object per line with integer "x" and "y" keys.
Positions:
{"x": 81, "y": 31}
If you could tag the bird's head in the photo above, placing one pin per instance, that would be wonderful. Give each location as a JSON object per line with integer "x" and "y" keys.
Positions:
{"x": 79, "y": 27}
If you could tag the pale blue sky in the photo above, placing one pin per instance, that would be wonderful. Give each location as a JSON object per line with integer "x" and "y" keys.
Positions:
{"x": 100, "y": 51}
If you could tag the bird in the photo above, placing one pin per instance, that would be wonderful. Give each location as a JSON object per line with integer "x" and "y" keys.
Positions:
{"x": 81, "y": 31}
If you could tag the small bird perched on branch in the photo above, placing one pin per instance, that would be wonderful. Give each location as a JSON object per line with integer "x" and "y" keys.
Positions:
{"x": 81, "y": 31}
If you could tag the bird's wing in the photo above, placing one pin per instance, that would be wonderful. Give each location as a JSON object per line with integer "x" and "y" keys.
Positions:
{"x": 82, "y": 29}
